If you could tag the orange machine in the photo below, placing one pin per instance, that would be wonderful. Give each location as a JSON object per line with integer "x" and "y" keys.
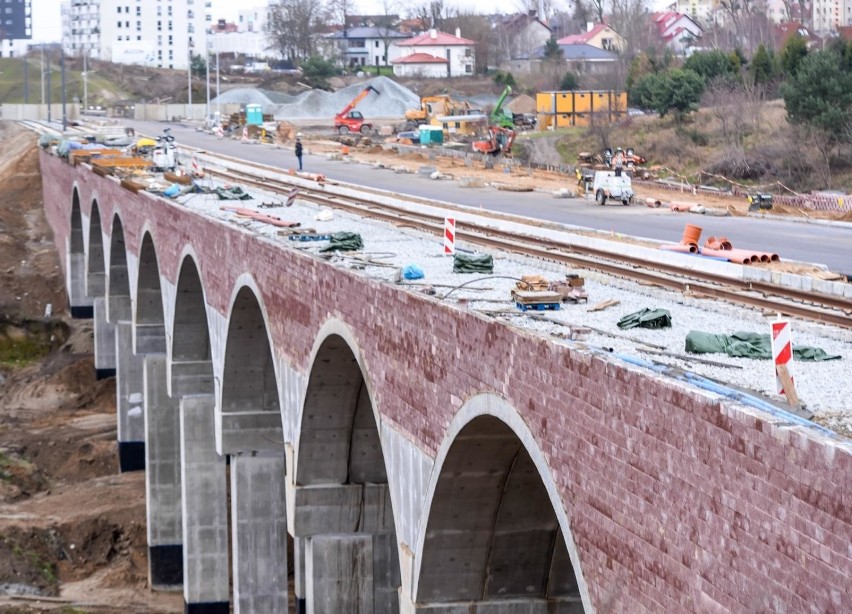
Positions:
{"x": 499, "y": 141}
{"x": 349, "y": 120}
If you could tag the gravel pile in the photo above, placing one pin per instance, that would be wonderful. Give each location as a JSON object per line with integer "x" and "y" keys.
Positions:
{"x": 822, "y": 386}
{"x": 394, "y": 101}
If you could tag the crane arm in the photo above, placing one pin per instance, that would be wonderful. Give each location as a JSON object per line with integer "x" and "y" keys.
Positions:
{"x": 498, "y": 115}
{"x": 354, "y": 102}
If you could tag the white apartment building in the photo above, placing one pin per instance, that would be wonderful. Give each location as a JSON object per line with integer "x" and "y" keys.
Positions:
{"x": 158, "y": 33}
{"x": 249, "y": 39}
{"x": 828, "y": 15}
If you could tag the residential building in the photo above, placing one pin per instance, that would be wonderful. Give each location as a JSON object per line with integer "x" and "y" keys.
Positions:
{"x": 676, "y": 31}
{"x": 433, "y": 54}
{"x": 362, "y": 45}
{"x": 17, "y": 28}
{"x": 784, "y": 31}
{"x": 579, "y": 58}
{"x": 599, "y": 35}
{"x": 136, "y": 31}
{"x": 246, "y": 38}
{"x": 518, "y": 34}
{"x": 829, "y": 15}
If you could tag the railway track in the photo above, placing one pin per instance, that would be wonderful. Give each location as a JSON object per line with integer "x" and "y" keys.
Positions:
{"x": 770, "y": 298}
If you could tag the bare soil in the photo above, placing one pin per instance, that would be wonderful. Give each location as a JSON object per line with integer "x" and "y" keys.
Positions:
{"x": 72, "y": 529}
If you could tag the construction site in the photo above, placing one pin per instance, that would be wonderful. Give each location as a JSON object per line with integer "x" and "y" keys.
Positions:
{"x": 61, "y": 551}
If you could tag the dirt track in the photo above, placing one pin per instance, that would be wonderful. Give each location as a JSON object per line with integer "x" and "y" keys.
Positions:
{"x": 71, "y": 527}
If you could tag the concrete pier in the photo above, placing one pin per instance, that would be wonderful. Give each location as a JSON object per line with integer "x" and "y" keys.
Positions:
{"x": 79, "y": 303}
{"x": 104, "y": 341}
{"x": 162, "y": 478}
{"x": 129, "y": 401}
{"x": 339, "y": 574}
{"x": 204, "y": 496}
{"x": 259, "y": 521}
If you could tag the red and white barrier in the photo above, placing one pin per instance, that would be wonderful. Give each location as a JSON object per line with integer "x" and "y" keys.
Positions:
{"x": 782, "y": 349}
{"x": 197, "y": 171}
{"x": 291, "y": 197}
{"x": 245, "y": 134}
{"x": 449, "y": 236}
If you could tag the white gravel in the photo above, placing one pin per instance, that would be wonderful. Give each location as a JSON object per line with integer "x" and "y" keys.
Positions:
{"x": 824, "y": 387}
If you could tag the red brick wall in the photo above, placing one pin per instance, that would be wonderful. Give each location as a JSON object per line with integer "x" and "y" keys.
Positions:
{"x": 675, "y": 503}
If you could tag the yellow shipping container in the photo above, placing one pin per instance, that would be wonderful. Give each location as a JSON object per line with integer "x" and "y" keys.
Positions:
{"x": 581, "y": 119}
{"x": 582, "y": 102}
{"x": 544, "y": 102}
{"x": 564, "y": 102}
{"x": 619, "y": 102}
{"x": 563, "y": 120}
{"x": 544, "y": 121}
{"x": 600, "y": 102}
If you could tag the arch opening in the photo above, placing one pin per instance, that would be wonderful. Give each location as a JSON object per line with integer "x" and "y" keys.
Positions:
{"x": 95, "y": 272}
{"x": 492, "y": 533}
{"x": 79, "y": 303}
{"x": 118, "y": 291}
{"x": 191, "y": 364}
{"x": 149, "y": 321}
{"x": 340, "y": 460}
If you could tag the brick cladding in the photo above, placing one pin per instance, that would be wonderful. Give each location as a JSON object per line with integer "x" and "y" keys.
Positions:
{"x": 676, "y": 503}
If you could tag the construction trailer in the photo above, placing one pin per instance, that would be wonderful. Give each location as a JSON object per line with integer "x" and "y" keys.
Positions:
{"x": 563, "y": 109}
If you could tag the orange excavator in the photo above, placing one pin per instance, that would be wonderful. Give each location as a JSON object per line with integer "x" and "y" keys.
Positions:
{"x": 349, "y": 120}
{"x": 499, "y": 141}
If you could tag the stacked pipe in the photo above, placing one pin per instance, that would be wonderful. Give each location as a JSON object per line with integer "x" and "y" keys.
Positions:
{"x": 717, "y": 247}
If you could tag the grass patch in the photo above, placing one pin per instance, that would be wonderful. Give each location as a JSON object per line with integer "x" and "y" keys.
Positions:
{"x": 17, "y": 353}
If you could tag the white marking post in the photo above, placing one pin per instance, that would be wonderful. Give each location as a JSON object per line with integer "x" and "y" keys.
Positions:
{"x": 782, "y": 354}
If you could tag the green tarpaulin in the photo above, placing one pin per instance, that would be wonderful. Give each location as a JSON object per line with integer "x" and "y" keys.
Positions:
{"x": 748, "y": 345}
{"x": 344, "y": 242}
{"x": 646, "y": 318}
{"x": 480, "y": 263}
{"x": 234, "y": 193}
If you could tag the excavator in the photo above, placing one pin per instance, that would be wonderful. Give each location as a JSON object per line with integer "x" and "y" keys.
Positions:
{"x": 499, "y": 141}
{"x": 349, "y": 120}
{"x": 431, "y": 107}
{"x": 505, "y": 118}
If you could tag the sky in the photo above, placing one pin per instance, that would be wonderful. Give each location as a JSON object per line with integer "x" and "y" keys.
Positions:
{"x": 47, "y": 16}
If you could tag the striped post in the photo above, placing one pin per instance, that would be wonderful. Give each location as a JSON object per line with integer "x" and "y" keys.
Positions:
{"x": 291, "y": 197}
{"x": 449, "y": 236}
{"x": 782, "y": 350}
{"x": 196, "y": 168}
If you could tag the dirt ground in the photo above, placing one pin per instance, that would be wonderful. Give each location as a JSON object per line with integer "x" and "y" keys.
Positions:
{"x": 72, "y": 529}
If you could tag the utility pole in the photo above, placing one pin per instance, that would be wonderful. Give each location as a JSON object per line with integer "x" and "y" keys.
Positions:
{"x": 207, "y": 76}
{"x": 217, "y": 87}
{"x": 189, "y": 80}
{"x": 27, "y": 78}
{"x": 48, "y": 89}
{"x": 64, "y": 111}
{"x": 85, "y": 83}
{"x": 42, "y": 74}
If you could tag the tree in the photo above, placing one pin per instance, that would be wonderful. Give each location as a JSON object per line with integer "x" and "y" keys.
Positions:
{"x": 792, "y": 54}
{"x": 291, "y": 26}
{"x": 569, "y": 82}
{"x": 552, "y": 51}
{"x": 819, "y": 96}
{"x": 597, "y": 9}
{"x": 432, "y": 13}
{"x": 714, "y": 64}
{"x": 315, "y": 71}
{"x": 198, "y": 66}
{"x": 762, "y": 66}
{"x": 677, "y": 90}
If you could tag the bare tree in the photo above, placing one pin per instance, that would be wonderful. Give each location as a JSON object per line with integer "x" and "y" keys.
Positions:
{"x": 478, "y": 29}
{"x": 432, "y": 13}
{"x": 387, "y": 24}
{"x": 597, "y": 7}
{"x": 291, "y": 26}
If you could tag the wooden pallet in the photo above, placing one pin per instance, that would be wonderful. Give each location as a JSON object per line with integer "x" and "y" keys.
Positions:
{"x": 538, "y": 306}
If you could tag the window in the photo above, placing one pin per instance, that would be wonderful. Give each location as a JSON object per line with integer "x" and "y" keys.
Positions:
{"x": 119, "y": 24}
{"x": 468, "y": 68}
{"x": 376, "y": 45}
{"x": 468, "y": 52}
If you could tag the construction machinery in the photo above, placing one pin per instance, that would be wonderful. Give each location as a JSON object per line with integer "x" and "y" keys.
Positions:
{"x": 350, "y": 120}
{"x": 432, "y": 107}
{"x": 608, "y": 185}
{"x": 499, "y": 141}
{"x": 502, "y": 117}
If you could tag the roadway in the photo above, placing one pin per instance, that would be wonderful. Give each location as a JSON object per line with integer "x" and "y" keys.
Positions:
{"x": 829, "y": 244}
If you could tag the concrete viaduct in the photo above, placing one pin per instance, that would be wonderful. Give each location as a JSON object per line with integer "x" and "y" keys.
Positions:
{"x": 422, "y": 458}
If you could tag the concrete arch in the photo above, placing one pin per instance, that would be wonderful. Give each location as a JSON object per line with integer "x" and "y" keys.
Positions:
{"x": 95, "y": 262}
{"x": 191, "y": 364}
{"x": 149, "y": 321}
{"x": 348, "y": 439}
{"x": 75, "y": 280}
{"x": 495, "y": 529}
{"x": 249, "y": 404}
{"x": 118, "y": 279}
{"x": 342, "y": 506}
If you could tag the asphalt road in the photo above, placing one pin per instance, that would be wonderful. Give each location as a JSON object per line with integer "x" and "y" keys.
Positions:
{"x": 807, "y": 242}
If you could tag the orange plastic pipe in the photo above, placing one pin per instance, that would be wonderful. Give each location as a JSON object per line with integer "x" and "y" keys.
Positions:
{"x": 681, "y": 248}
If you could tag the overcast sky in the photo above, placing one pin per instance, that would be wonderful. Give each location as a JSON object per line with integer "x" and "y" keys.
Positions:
{"x": 47, "y": 17}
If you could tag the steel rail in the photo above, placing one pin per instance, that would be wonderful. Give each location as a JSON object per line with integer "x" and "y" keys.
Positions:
{"x": 668, "y": 276}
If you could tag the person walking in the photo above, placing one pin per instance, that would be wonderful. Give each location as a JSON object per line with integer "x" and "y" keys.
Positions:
{"x": 299, "y": 151}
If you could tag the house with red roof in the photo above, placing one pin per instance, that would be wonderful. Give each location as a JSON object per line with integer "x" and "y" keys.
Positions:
{"x": 433, "y": 54}
{"x": 600, "y": 35}
{"x": 677, "y": 31}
